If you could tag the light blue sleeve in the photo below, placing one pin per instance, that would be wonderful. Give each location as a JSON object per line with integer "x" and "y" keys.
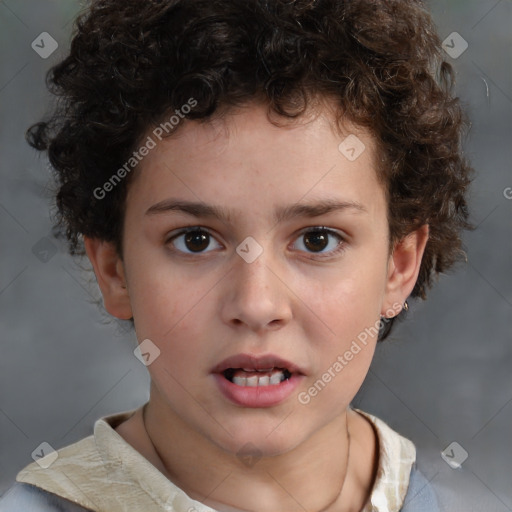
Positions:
{"x": 420, "y": 495}
{"x": 23, "y": 497}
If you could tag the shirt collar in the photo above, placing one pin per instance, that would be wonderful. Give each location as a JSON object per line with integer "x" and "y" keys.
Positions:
{"x": 396, "y": 458}
{"x": 103, "y": 472}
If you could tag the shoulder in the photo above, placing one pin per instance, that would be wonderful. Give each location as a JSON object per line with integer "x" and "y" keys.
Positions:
{"x": 399, "y": 484}
{"x": 420, "y": 494}
{"x": 63, "y": 474}
{"x": 22, "y": 496}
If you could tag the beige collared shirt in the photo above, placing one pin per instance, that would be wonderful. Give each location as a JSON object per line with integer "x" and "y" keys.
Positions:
{"x": 104, "y": 473}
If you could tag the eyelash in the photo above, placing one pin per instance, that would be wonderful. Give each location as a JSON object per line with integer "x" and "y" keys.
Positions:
{"x": 318, "y": 255}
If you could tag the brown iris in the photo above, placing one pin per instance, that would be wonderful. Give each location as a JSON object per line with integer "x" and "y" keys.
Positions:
{"x": 197, "y": 240}
{"x": 318, "y": 240}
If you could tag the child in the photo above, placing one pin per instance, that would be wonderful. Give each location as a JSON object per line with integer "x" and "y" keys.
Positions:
{"x": 202, "y": 149}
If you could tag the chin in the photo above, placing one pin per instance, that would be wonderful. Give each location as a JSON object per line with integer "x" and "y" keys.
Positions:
{"x": 267, "y": 438}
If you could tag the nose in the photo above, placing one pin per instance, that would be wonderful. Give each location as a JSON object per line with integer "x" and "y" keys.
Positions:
{"x": 256, "y": 296}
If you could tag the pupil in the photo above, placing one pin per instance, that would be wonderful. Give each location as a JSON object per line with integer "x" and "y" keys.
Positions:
{"x": 316, "y": 237}
{"x": 197, "y": 241}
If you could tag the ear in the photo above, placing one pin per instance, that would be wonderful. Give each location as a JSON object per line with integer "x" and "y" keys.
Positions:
{"x": 403, "y": 269}
{"x": 110, "y": 274}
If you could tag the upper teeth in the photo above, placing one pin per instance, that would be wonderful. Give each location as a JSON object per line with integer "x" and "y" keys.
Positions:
{"x": 276, "y": 377}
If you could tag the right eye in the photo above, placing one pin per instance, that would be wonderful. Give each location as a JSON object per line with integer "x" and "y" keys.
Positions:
{"x": 193, "y": 240}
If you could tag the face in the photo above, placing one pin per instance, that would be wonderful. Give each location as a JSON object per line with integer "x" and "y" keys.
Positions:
{"x": 248, "y": 245}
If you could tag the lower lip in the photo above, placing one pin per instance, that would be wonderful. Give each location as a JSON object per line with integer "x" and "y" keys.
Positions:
{"x": 261, "y": 396}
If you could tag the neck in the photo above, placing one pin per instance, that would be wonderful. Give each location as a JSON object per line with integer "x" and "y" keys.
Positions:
{"x": 325, "y": 473}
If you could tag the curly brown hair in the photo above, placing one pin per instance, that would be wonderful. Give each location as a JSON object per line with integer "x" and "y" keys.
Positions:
{"x": 133, "y": 62}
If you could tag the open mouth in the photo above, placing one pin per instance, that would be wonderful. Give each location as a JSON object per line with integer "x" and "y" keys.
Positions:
{"x": 257, "y": 381}
{"x": 248, "y": 377}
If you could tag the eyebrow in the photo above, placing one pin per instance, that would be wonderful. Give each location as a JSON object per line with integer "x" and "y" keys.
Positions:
{"x": 283, "y": 213}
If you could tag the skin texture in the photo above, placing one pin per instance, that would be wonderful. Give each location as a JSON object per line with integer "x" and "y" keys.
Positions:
{"x": 304, "y": 306}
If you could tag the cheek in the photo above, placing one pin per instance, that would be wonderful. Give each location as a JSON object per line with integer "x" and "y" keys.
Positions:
{"x": 170, "y": 317}
{"x": 164, "y": 303}
{"x": 348, "y": 305}
{"x": 343, "y": 356}
{"x": 349, "y": 301}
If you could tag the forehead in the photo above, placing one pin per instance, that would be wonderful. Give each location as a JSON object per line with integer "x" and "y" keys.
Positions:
{"x": 243, "y": 160}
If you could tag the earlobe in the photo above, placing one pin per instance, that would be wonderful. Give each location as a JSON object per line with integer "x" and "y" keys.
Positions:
{"x": 403, "y": 268}
{"x": 110, "y": 274}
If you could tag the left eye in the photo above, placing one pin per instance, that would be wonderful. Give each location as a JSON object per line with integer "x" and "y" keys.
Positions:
{"x": 316, "y": 240}
{"x": 192, "y": 241}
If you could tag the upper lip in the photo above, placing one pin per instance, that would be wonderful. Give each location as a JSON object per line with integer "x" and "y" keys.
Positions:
{"x": 256, "y": 362}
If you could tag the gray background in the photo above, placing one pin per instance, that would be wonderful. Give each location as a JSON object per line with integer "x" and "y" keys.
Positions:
{"x": 445, "y": 377}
